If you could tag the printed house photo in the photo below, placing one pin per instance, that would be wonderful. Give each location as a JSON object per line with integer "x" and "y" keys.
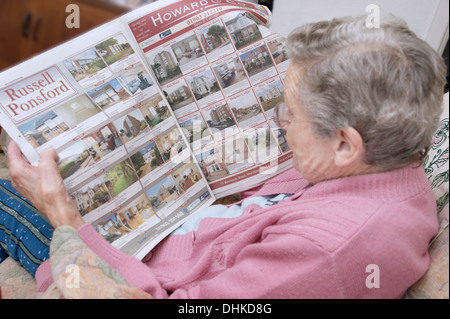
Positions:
{"x": 243, "y": 30}
{"x": 126, "y": 219}
{"x": 161, "y": 193}
{"x": 212, "y": 164}
{"x": 186, "y": 176}
{"x": 187, "y": 50}
{"x": 114, "y": 49}
{"x": 120, "y": 177}
{"x": 261, "y": 144}
{"x": 135, "y": 80}
{"x": 73, "y": 159}
{"x": 131, "y": 125}
{"x": 165, "y": 66}
{"x": 236, "y": 154}
{"x": 213, "y": 37}
{"x": 281, "y": 137}
{"x": 77, "y": 110}
{"x": 43, "y": 129}
{"x": 256, "y": 60}
{"x": 109, "y": 94}
{"x": 147, "y": 159}
{"x": 195, "y": 129}
{"x": 229, "y": 73}
{"x": 171, "y": 144}
{"x": 203, "y": 84}
{"x": 85, "y": 64}
{"x": 91, "y": 196}
{"x": 246, "y": 110}
{"x": 270, "y": 94}
{"x": 219, "y": 118}
{"x": 102, "y": 142}
{"x": 178, "y": 95}
{"x": 155, "y": 111}
{"x": 277, "y": 48}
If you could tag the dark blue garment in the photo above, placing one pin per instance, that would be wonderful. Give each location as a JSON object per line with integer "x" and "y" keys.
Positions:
{"x": 25, "y": 233}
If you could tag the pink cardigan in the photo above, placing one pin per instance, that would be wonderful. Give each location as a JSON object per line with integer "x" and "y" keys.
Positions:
{"x": 336, "y": 239}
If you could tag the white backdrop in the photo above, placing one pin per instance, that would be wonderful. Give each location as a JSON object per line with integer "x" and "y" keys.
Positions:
{"x": 427, "y": 18}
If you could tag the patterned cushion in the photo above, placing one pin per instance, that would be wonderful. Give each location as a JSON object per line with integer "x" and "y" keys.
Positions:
{"x": 434, "y": 284}
{"x": 437, "y": 162}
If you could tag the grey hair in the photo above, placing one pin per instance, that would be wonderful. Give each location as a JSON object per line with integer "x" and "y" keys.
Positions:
{"x": 384, "y": 82}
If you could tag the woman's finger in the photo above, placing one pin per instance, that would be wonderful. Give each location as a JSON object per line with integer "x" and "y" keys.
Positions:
{"x": 15, "y": 156}
{"x": 51, "y": 180}
{"x": 48, "y": 164}
{"x": 19, "y": 168}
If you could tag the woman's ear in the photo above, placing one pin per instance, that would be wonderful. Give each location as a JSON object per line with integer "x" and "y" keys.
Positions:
{"x": 349, "y": 147}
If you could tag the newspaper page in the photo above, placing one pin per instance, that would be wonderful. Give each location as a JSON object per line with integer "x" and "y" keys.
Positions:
{"x": 155, "y": 114}
{"x": 221, "y": 71}
{"x": 123, "y": 157}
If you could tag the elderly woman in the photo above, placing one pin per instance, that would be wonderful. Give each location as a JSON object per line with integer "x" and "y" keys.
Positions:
{"x": 352, "y": 219}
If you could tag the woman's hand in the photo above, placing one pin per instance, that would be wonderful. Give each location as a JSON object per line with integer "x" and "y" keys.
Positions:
{"x": 43, "y": 186}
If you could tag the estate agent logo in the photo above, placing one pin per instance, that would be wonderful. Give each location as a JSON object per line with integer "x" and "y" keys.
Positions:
{"x": 35, "y": 93}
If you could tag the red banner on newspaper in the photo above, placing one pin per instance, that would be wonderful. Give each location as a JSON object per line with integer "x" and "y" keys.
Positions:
{"x": 269, "y": 166}
{"x": 160, "y": 26}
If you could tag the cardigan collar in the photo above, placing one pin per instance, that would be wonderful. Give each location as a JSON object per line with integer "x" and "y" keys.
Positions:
{"x": 391, "y": 185}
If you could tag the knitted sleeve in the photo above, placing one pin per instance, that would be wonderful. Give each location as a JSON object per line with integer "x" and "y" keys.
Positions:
{"x": 79, "y": 273}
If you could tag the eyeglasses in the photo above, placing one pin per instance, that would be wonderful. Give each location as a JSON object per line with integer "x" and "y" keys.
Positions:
{"x": 282, "y": 115}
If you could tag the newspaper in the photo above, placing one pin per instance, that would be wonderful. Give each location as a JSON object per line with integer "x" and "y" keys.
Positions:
{"x": 154, "y": 115}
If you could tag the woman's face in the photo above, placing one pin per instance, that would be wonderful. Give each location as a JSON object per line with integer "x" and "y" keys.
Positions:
{"x": 313, "y": 156}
